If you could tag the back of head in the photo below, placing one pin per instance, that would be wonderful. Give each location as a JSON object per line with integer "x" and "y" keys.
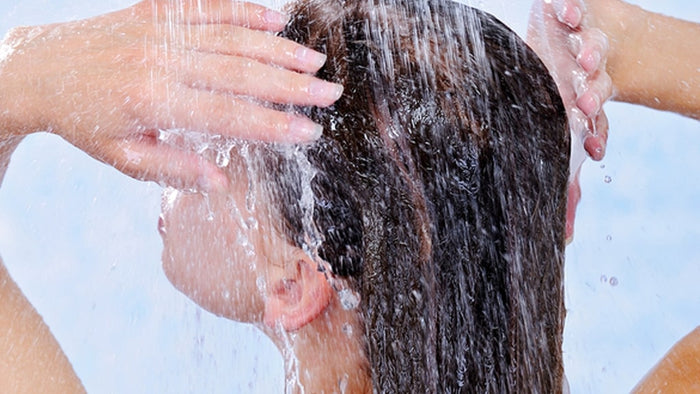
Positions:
{"x": 439, "y": 193}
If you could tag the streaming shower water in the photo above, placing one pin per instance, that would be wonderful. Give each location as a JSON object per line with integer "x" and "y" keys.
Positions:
{"x": 600, "y": 314}
{"x": 177, "y": 33}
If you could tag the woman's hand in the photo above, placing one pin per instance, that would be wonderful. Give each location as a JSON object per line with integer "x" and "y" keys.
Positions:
{"x": 576, "y": 55}
{"x": 109, "y": 84}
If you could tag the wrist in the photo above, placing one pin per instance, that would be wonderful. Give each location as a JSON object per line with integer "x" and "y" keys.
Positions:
{"x": 17, "y": 86}
{"x": 623, "y": 24}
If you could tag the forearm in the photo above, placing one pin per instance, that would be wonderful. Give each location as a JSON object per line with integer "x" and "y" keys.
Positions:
{"x": 32, "y": 359}
{"x": 15, "y": 119}
{"x": 653, "y": 59}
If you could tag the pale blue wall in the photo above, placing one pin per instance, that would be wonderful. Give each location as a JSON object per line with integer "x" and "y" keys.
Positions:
{"x": 81, "y": 240}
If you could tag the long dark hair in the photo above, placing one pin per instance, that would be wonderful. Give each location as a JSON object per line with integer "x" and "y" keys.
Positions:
{"x": 439, "y": 193}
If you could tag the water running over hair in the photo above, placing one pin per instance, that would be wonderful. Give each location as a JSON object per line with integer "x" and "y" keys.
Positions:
{"x": 439, "y": 193}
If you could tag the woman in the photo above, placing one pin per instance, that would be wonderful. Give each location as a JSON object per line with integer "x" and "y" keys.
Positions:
{"x": 108, "y": 83}
{"x": 418, "y": 245}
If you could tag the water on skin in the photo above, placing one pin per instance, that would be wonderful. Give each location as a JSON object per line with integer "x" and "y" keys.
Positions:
{"x": 221, "y": 148}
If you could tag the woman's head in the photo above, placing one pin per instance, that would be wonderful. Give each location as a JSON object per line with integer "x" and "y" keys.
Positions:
{"x": 436, "y": 194}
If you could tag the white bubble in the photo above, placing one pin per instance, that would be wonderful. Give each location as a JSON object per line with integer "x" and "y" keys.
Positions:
{"x": 348, "y": 299}
{"x": 222, "y": 158}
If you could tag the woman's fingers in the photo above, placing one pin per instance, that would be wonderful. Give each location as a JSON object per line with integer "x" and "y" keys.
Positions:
{"x": 221, "y": 114}
{"x": 569, "y": 12}
{"x": 596, "y": 141}
{"x": 593, "y": 93}
{"x": 258, "y": 45}
{"x": 590, "y": 48}
{"x": 147, "y": 159}
{"x": 593, "y": 88}
{"x": 245, "y": 77}
{"x": 590, "y": 103}
{"x": 237, "y": 13}
{"x": 195, "y": 12}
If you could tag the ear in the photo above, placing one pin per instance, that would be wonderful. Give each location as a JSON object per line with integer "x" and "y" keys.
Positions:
{"x": 298, "y": 296}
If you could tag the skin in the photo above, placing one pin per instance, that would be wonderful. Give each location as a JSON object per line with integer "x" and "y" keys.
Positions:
{"x": 117, "y": 78}
{"x": 575, "y": 54}
{"x": 277, "y": 288}
{"x": 608, "y": 49}
{"x": 650, "y": 61}
{"x": 32, "y": 359}
{"x": 114, "y": 81}
{"x": 678, "y": 370}
{"x": 70, "y": 101}
{"x": 653, "y": 62}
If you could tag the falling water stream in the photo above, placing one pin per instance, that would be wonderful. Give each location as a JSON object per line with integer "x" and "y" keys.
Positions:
{"x": 81, "y": 241}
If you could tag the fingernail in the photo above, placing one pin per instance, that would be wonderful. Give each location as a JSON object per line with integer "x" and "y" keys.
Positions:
{"x": 589, "y": 103}
{"x": 310, "y": 57}
{"x": 577, "y": 16}
{"x": 274, "y": 17}
{"x": 590, "y": 62}
{"x": 571, "y": 16}
{"x": 304, "y": 129}
{"x": 595, "y": 146}
{"x": 574, "y": 43}
{"x": 326, "y": 91}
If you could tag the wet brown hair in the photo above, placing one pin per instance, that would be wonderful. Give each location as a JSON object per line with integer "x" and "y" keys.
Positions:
{"x": 439, "y": 192}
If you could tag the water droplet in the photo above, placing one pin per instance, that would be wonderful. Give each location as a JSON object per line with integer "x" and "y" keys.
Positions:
{"x": 343, "y": 384}
{"x": 260, "y": 283}
{"x": 348, "y": 299}
{"x": 602, "y": 166}
{"x": 222, "y": 158}
{"x": 603, "y": 279}
{"x": 613, "y": 281}
{"x": 418, "y": 296}
{"x": 607, "y": 179}
{"x": 251, "y": 223}
{"x": 608, "y": 238}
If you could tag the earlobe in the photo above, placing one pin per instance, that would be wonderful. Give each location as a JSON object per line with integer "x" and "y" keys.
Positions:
{"x": 298, "y": 297}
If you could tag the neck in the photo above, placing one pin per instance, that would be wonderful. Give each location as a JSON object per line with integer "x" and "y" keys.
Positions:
{"x": 326, "y": 355}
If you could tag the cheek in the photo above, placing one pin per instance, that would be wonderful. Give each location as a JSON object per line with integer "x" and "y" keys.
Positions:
{"x": 204, "y": 260}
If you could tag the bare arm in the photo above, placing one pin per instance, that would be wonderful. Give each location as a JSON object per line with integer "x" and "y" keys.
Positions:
{"x": 32, "y": 360}
{"x": 678, "y": 371}
{"x": 654, "y": 60}
{"x": 109, "y": 84}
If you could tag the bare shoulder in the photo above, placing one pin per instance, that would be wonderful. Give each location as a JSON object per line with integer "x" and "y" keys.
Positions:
{"x": 678, "y": 371}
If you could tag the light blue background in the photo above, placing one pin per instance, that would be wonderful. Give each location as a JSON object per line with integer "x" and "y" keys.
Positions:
{"x": 81, "y": 241}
